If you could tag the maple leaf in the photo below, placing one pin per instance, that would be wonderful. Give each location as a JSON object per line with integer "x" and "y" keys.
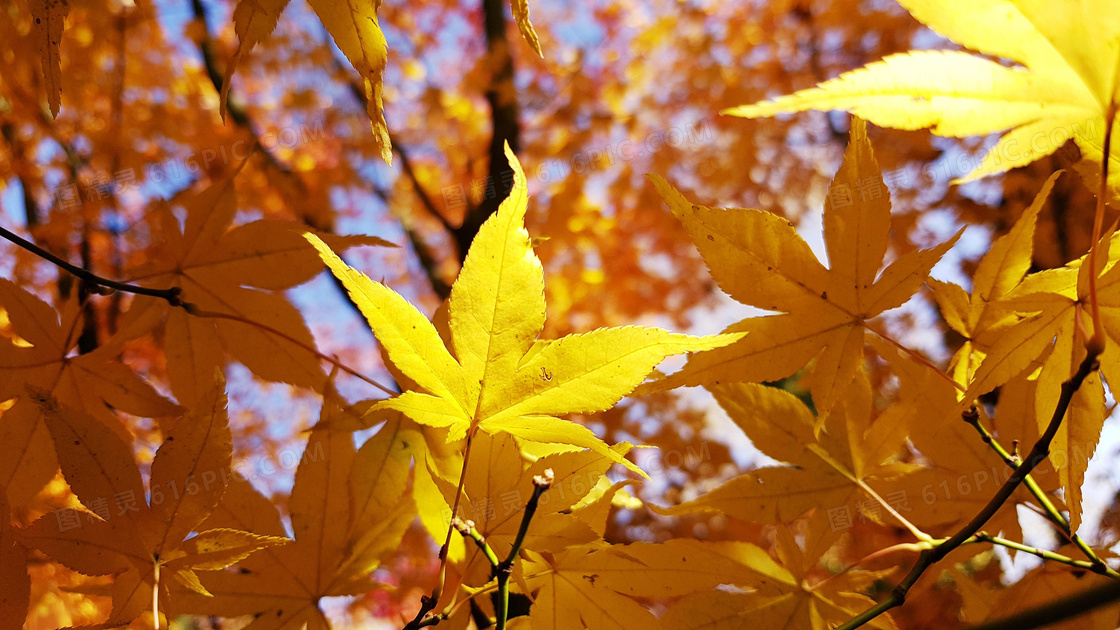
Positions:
{"x": 47, "y": 20}
{"x": 1012, "y": 323}
{"x": 833, "y": 470}
{"x": 977, "y": 315}
{"x": 1068, "y": 85}
{"x": 782, "y": 594}
{"x": 144, "y": 544}
{"x": 39, "y": 353}
{"x": 494, "y": 375}
{"x": 759, "y": 259}
{"x": 964, "y": 470}
{"x": 233, "y": 272}
{"x": 593, "y": 586}
{"x": 495, "y": 494}
{"x": 340, "y": 536}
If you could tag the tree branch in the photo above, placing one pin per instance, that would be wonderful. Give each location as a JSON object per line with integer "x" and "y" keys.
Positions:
{"x": 1037, "y": 454}
{"x": 1097, "y": 565}
{"x": 1065, "y": 608}
{"x": 172, "y": 295}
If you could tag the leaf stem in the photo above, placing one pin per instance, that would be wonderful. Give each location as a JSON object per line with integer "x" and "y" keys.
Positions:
{"x": 914, "y": 529}
{"x": 427, "y": 603}
{"x": 1037, "y": 454}
{"x": 917, "y": 357}
{"x": 155, "y": 595}
{"x": 172, "y": 295}
{"x": 197, "y": 312}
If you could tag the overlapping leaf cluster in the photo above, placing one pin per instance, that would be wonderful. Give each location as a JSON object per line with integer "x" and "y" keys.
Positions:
{"x": 486, "y": 407}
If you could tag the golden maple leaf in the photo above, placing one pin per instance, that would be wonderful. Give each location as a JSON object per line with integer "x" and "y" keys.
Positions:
{"x": 1038, "y": 331}
{"x": 834, "y": 469}
{"x": 978, "y": 315}
{"x": 783, "y": 592}
{"x": 39, "y": 354}
{"x": 495, "y": 375}
{"x": 593, "y": 586}
{"x": 143, "y": 543}
{"x": 760, "y": 260}
{"x": 340, "y": 536}
{"x": 234, "y": 272}
{"x": 1065, "y": 91}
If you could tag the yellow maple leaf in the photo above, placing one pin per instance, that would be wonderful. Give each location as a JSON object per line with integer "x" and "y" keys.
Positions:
{"x": 1040, "y": 333}
{"x": 494, "y": 375}
{"x": 782, "y": 593}
{"x": 233, "y": 272}
{"x": 340, "y": 536}
{"x": 41, "y": 355}
{"x": 143, "y": 543}
{"x": 593, "y": 586}
{"x": 834, "y": 470}
{"x": 977, "y": 315}
{"x": 759, "y": 259}
{"x": 1069, "y": 84}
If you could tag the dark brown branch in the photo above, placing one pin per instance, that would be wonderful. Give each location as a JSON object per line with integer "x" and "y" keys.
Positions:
{"x": 505, "y": 121}
{"x": 425, "y": 198}
{"x": 423, "y": 252}
{"x": 237, "y": 112}
{"x": 171, "y": 295}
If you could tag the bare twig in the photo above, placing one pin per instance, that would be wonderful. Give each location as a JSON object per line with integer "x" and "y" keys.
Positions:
{"x": 172, "y": 295}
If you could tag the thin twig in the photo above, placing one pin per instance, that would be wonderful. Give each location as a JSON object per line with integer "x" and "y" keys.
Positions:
{"x": 1045, "y": 554}
{"x": 171, "y": 295}
{"x": 197, "y": 312}
{"x": 468, "y": 530}
{"x": 972, "y": 417}
{"x": 505, "y": 569}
